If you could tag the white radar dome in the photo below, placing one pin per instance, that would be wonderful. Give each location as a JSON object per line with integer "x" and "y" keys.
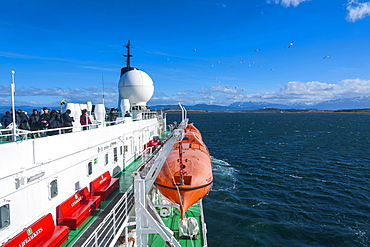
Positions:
{"x": 137, "y": 86}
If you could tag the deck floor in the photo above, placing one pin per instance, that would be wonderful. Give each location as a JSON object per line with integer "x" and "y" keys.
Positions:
{"x": 171, "y": 222}
{"x": 126, "y": 180}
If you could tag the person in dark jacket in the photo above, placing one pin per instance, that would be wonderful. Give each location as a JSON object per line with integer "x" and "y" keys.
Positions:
{"x": 54, "y": 123}
{"x": 113, "y": 116}
{"x": 7, "y": 119}
{"x": 67, "y": 121}
{"x": 34, "y": 122}
{"x": 22, "y": 120}
{"x": 44, "y": 120}
{"x": 127, "y": 114}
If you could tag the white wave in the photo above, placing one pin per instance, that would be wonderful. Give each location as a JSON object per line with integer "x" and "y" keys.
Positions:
{"x": 219, "y": 162}
{"x": 260, "y": 203}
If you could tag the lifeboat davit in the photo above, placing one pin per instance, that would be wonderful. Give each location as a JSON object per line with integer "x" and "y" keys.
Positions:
{"x": 186, "y": 176}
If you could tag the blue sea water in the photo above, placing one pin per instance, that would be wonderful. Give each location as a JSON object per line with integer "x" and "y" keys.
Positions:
{"x": 287, "y": 179}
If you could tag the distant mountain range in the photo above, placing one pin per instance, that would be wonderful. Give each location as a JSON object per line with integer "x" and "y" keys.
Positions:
{"x": 338, "y": 104}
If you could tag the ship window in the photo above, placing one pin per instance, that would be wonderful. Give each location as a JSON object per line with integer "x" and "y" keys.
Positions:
{"x": 89, "y": 168}
{"x": 53, "y": 189}
{"x": 115, "y": 154}
{"x": 106, "y": 159}
{"x": 4, "y": 216}
{"x": 77, "y": 186}
{"x": 120, "y": 150}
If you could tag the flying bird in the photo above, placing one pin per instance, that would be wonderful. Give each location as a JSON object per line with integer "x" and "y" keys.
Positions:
{"x": 291, "y": 44}
{"x": 195, "y": 50}
{"x": 327, "y": 57}
{"x": 257, "y": 49}
{"x": 272, "y": 69}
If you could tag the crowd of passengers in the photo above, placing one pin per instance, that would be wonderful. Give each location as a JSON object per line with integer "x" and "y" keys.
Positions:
{"x": 52, "y": 120}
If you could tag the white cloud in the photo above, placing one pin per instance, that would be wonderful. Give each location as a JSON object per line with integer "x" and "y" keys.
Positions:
{"x": 357, "y": 11}
{"x": 293, "y": 92}
{"x": 222, "y": 89}
{"x": 287, "y": 3}
{"x": 76, "y": 95}
{"x": 314, "y": 92}
{"x": 182, "y": 93}
{"x": 221, "y": 5}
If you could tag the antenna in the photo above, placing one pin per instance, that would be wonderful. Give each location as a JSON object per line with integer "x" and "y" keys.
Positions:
{"x": 14, "y": 138}
{"x": 102, "y": 79}
{"x": 128, "y": 62}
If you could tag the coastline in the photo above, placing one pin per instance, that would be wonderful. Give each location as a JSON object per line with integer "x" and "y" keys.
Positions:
{"x": 272, "y": 110}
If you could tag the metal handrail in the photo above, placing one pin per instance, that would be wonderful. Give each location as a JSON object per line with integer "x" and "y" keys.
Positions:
{"x": 113, "y": 222}
{"x": 117, "y": 218}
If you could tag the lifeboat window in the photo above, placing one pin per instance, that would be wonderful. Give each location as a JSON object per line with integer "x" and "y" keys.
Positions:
{"x": 126, "y": 149}
{"x": 115, "y": 154}
{"x": 4, "y": 216}
{"x": 89, "y": 168}
{"x": 53, "y": 186}
{"x": 106, "y": 159}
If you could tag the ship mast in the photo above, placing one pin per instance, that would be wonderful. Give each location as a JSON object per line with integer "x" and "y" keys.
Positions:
{"x": 128, "y": 61}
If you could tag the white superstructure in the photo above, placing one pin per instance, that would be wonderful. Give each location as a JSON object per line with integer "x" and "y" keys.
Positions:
{"x": 39, "y": 174}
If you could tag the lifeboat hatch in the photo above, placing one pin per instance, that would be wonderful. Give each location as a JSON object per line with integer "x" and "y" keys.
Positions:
{"x": 187, "y": 179}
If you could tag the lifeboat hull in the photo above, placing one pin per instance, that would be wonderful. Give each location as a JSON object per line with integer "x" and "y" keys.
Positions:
{"x": 186, "y": 176}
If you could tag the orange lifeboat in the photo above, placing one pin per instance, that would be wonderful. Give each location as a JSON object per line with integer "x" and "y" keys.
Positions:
{"x": 186, "y": 176}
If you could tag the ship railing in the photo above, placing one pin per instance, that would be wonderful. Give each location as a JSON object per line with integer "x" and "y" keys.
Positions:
{"x": 24, "y": 134}
{"x": 114, "y": 223}
{"x": 204, "y": 226}
{"x": 117, "y": 219}
{"x": 20, "y": 134}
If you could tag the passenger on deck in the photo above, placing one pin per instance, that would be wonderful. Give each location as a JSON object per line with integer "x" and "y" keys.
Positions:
{"x": 16, "y": 116}
{"x": 34, "y": 123}
{"x": 67, "y": 121}
{"x": 85, "y": 119}
{"x": 7, "y": 119}
{"x": 54, "y": 123}
{"x": 127, "y": 114}
{"x": 113, "y": 116}
{"x": 22, "y": 120}
{"x": 44, "y": 120}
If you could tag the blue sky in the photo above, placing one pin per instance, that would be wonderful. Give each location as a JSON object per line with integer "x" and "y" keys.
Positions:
{"x": 196, "y": 51}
